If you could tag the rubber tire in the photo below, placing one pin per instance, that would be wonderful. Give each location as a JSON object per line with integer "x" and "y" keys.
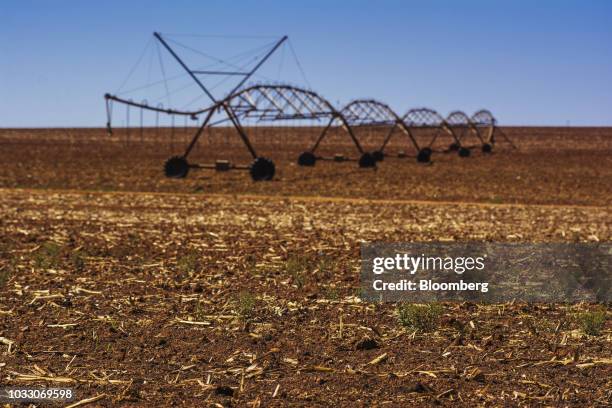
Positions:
{"x": 464, "y": 152}
{"x": 307, "y": 159}
{"x": 262, "y": 169}
{"x": 424, "y": 155}
{"x": 176, "y": 167}
{"x": 378, "y": 155}
{"x": 487, "y": 148}
{"x": 453, "y": 147}
{"x": 367, "y": 161}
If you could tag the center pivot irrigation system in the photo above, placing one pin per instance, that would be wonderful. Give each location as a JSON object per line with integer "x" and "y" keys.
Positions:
{"x": 246, "y": 106}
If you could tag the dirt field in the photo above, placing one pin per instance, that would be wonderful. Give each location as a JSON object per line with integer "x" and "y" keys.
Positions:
{"x": 137, "y": 290}
{"x": 552, "y": 166}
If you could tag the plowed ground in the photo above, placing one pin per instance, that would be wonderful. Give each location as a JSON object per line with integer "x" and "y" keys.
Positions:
{"x": 141, "y": 291}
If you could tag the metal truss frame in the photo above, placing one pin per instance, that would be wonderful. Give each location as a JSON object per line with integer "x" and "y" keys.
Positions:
{"x": 265, "y": 102}
{"x": 427, "y": 118}
{"x": 178, "y": 167}
{"x": 459, "y": 124}
{"x": 460, "y": 120}
{"x": 486, "y": 124}
{"x": 371, "y": 112}
{"x": 274, "y": 102}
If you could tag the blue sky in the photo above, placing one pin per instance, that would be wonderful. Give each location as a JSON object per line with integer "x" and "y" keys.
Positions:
{"x": 532, "y": 63}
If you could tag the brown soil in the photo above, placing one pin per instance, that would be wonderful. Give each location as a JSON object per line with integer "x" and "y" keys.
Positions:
{"x": 144, "y": 291}
{"x": 552, "y": 166}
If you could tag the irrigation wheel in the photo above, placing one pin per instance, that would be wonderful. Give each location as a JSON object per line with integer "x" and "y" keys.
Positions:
{"x": 367, "y": 161}
{"x": 262, "y": 169}
{"x": 464, "y": 152}
{"x": 487, "y": 148}
{"x": 424, "y": 155}
{"x": 176, "y": 167}
{"x": 307, "y": 159}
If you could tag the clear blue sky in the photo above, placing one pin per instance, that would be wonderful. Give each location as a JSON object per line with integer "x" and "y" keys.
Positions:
{"x": 530, "y": 62}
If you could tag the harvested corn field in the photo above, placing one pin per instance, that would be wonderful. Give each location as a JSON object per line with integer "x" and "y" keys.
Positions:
{"x": 207, "y": 296}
